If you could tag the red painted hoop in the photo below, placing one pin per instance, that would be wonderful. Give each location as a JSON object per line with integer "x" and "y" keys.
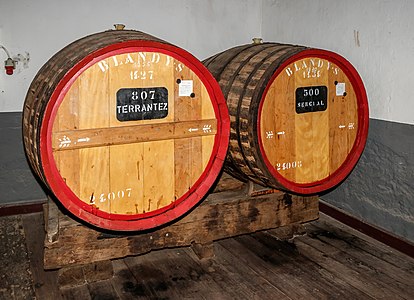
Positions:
{"x": 185, "y": 203}
{"x": 363, "y": 122}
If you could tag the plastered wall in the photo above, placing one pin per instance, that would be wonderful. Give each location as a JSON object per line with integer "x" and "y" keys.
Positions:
{"x": 376, "y": 36}
{"x": 41, "y": 28}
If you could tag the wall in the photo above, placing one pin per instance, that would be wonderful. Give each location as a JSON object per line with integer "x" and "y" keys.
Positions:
{"x": 41, "y": 28}
{"x": 377, "y": 38}
{"x": 374, "y": 35}
{"x": 380, "y": 190}
{"x": 17, "y": 184}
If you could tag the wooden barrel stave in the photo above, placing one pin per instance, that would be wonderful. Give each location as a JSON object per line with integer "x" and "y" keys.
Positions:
{"x": 84, "y": 154}
{"x": 253, "y": 79}
{"x": 246, "y": 108}
{"x": 49, "y": 76}
{"x": 239, "y": 80}
{"x": 233, "y": 92}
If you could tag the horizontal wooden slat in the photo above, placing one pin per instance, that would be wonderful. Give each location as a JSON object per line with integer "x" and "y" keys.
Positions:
{"x": 87, "y": 138}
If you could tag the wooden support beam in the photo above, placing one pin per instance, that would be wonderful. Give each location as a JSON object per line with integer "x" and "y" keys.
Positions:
{"x": 84, "y": 274}
{"x": 203, "y": 250}
{"x": 220, "y": 215}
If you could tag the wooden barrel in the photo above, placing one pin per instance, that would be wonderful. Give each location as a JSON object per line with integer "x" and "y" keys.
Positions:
{"x": 298, "y": 116}
{"x": 127, "y": 131}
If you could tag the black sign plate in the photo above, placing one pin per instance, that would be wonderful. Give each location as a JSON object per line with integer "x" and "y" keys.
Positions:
{"x": 311, "y": 99}
{"x": 141, "y": 104}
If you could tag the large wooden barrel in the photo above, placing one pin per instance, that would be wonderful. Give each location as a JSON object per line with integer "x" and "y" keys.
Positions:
{"x": 127, "y": 131}
{"x": 298, "y": 116}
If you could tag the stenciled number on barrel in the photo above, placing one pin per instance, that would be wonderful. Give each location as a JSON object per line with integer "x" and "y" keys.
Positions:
{"x": 143, "y": 95}
{"x": 141, "y": 75}
{"x": 111, "y": 196}
{"x": 310, "y": 92}
{"x": 288, "y": 165}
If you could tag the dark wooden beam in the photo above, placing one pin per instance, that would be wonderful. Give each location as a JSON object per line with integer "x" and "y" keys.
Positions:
{"x": 221, "y": 215}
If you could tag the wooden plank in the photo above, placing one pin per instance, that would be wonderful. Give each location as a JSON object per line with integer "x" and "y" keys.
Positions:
{"x": 221, "y": 215}
{"x": 152, "y": 281}
{"x": 207, "y": 141}
{"x": 366, "y": 249}
{"x": 278, "y": 125}
{"x": 303, "y": 131}
{"x": 286, "y": 279}
{"x": 108, "y": 136}
{"x": 159, "y": 184}
{"x": 76, "y": 293}
{"x": 94, "y": 99}
{"x": 342, "y": 268}
{"x": 93, "y": 167}
{"x": 127, "y": 179}
{"x": 381, "y": 271}
{"x": 68, "y": 163}
{"x": 328, "y": 286}
{"x": 312, "y": 135}
{"x": 258, "y": 266}
{"x": 231, "y": 273}
{"x": 188, "y": 152}
{"x": 67, "y": 119}
{"x": 197, "y": 159}
{"x": 342, "y": 113}
{"x": 221, "y": 283}
{"x": 134, "y": 160}
{"x": 84, "y": 274}
{"x": 320, "y": 132}
{"x": 102, "y": 290}
{"x": 368, "y": 244}
{"x": 67, "y": 116}
{"x": 94, "y": 177}
{"x": 254, "y": 189}
{"x": 167, "y": 273}
{"x": 125, "y": 284}
{"x": 194, "y": 106}
{"x": 182, "y": 167}
{"x": 70, "y": 277}
{"x": 190, "y": 278}
{"x": 282, "y": 257}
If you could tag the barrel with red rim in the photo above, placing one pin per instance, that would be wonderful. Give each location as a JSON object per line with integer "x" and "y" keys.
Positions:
{"x": 299, "y": 116}
{"x": 127, "y": 131}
